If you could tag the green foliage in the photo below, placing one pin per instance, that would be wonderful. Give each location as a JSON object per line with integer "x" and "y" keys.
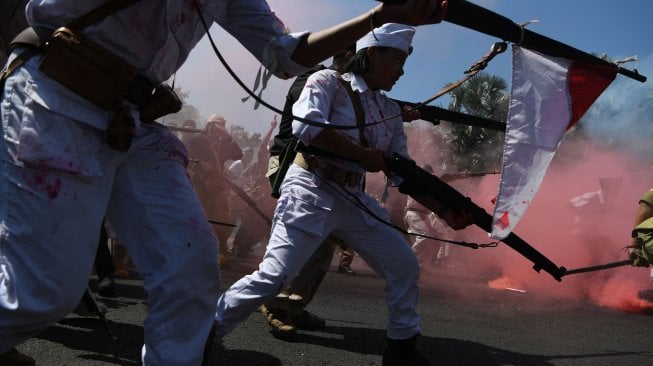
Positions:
{"x": 476, "y": 149}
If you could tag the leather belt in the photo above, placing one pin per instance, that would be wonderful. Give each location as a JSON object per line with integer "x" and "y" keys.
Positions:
{"x": 329, "y": 171}
{"x": 139, "y": 92}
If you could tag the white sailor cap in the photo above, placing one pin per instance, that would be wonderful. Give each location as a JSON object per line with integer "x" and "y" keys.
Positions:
{"x": 393, "y": 35}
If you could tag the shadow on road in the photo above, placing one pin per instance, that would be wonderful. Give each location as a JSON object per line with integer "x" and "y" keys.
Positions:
{"x": 441, "y": 351}
{"x": 450, "y": 352}
{"x": 88, "y": 335}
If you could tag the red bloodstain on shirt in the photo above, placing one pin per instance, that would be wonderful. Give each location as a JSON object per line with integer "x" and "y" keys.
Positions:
{"x": 51, "y": 187}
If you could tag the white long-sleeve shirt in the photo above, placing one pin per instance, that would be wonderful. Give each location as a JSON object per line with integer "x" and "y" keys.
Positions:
{"x": 155, "y": 37}
{"x": 324, "y": 100}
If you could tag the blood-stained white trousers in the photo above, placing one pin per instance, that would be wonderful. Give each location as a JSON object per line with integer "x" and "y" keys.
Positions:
{"x": 58, "y": 180}
{"x": 307, "y": 212}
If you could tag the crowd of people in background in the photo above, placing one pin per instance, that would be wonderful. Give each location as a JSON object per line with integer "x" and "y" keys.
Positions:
{"x": 244, "y": 178}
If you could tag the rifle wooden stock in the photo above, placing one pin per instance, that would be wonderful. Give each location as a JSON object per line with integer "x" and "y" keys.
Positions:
{"x": 450, "y": 197}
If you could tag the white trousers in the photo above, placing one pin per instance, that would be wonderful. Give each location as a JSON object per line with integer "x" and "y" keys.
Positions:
{"x": 307, "y": 212}
{"x": 58, "y": 180}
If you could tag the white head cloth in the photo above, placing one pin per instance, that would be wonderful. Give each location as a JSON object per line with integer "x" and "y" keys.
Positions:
{"x": 393, "y": 35}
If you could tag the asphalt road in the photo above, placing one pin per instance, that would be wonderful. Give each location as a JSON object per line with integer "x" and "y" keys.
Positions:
{"x": 465, "y": 324}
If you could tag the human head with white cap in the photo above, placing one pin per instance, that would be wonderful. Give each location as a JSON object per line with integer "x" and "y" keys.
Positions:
{"x": 381, "y": 54}
{"x": 216, "y": 123}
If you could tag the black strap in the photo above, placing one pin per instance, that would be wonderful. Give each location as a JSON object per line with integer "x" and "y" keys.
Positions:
{"x": 35, "y": 36}
{"x": 287, "y": 155}
{"x": 16, "y": 63}
{"x": 31, "y": 37}
{"x": 358, "y": 109}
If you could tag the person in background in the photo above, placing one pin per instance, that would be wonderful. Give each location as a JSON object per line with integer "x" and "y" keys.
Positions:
{"x": 185, "y": 136}
{"x": 238, "y": 173}
{"x": 419, "y": 220}
{"x": 592, "y": 210}
{"x": 254, "y": 221}
{"x": 210, "y": 151}
{"x": 347, "y": 255}
{"x": 641, "y": 251}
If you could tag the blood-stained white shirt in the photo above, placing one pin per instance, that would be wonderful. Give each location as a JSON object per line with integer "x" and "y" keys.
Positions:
{"x": 155, "y": 37}
{"x": 324, "y": 100}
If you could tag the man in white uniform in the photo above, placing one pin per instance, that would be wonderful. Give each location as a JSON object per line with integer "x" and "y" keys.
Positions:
{"x": 325, "y": 195}
{"x": 59, "y": 176}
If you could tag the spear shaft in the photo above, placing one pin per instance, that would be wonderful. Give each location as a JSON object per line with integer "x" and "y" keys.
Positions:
{"x": 624, "y": 262}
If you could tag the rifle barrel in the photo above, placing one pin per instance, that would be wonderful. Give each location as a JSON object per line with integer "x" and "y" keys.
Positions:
{"x": 475, "y": 17}
{"x": 624, "y": 262}
{"x": 450, "y": 197}
{"x": 435, "y": 114}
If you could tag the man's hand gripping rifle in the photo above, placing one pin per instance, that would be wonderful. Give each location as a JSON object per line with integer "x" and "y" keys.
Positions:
{"x": 444, "y": 200}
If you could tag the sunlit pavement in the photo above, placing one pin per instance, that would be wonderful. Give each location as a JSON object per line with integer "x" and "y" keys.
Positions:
{"x": 464, "y": 322}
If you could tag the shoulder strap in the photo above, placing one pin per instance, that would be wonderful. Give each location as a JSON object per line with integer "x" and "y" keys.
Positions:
{"x": 293, "y": 147}
{"x": 358, "y": 109}
{"x": 35, "y": 36}
{"x": 14, "y": 64}
{"x": 99, "y": 13}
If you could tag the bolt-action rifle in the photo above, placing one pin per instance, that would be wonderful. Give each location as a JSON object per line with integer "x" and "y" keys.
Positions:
{"x": 432, "y": 193}
{"x": 469, "y": 15}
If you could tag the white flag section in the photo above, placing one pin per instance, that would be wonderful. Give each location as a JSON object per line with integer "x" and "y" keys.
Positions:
{"x": 548, "y": 95}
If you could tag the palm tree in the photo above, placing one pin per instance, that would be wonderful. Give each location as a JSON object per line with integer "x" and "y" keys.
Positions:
{"x": 476, "y": 149}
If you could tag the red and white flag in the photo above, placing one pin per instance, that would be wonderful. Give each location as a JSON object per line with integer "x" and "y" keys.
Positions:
{"x": 547, "y": 97}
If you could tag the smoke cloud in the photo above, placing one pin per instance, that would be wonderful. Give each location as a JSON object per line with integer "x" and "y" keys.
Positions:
{"x": 612, "y": 140}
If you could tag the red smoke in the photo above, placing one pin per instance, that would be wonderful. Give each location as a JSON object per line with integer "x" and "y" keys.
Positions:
{"x": 549, "y": 226}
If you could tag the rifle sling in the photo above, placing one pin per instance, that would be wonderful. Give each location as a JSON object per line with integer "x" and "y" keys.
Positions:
{"x": 287, "y": 155}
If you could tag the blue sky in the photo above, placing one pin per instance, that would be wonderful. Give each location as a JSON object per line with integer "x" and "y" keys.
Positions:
{"x": 442, "y": 51}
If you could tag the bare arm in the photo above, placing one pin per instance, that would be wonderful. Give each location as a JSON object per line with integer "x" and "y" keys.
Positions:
{"x": 321, "y": 45}
{"x": 265, "y": 141}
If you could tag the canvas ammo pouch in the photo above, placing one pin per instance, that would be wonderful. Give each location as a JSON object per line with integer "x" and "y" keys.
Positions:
{"x": 86, "y": 68}
{"x": 105, "y": 79}
{"x": 161, "y": 102}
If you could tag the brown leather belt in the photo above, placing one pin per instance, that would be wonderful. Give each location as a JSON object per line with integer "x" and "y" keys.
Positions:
{"x": 101, "y": 87}
{"x": 329, "y": 171}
